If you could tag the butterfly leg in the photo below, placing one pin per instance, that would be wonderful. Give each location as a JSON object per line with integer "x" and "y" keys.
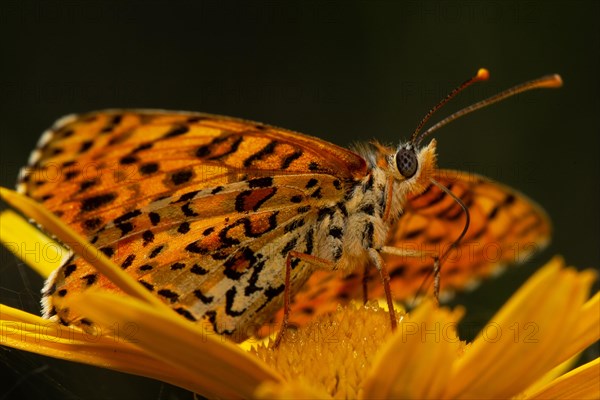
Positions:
{"x": 385, "y": 278}
{"x": 396, "y": 251}
{"x": 436, "y": 279}
{"x": 316, "y": 261}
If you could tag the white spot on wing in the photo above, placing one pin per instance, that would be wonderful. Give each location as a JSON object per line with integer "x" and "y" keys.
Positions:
{"x": 67, "y": 119}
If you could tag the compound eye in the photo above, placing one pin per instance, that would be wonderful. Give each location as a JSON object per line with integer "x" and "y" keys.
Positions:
{"x": 406, "y": 162}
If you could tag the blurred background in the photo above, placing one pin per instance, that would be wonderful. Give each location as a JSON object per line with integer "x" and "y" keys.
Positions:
{"x": 346, "y": 72}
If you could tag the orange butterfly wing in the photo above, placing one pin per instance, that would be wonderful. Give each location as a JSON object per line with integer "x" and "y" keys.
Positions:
{"x": 505, "y": 228}
{"x": 199, "y": 209}
{"x": 102, "y": 163}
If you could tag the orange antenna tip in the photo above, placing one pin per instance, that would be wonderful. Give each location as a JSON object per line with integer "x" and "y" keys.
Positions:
{"x": 482, "y": 75}
{"x": 552, "y": 81}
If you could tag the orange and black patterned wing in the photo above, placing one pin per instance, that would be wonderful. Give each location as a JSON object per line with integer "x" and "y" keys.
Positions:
{"x": 92, "y": 168}
{"x": 201, "y": 210}
{"x": 506, "y": 227}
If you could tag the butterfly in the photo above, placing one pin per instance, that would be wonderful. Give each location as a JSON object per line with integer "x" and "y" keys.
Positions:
{"x": 226, "y": 220}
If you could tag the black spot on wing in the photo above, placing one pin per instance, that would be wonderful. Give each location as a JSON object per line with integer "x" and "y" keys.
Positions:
{"x": 92, "y": 224}
{"x": 89, "y": 279}
{"x": 181, "y": 177}
{"x": 70, "y": 175}
{"x": 127, "y": 216}
{"x": 125, "y": 228}
{"x": 287, "y": 161}
{"x": 69, "y": 269}
{"x": 238, "y": 264}
{"x": 397, "y": 271}
{"x": 266, "y": 181}
{"x": 156, "y": 251}
{"x": 229, "y": 300}
{"x": 312, "y": 182}
{"x": 195, "y": 248}
{"x": 112, "y": 124}
{"x": 317, "y": 194}
{"x": 128, "y": 159}
{"x": 143, "y": 146}
{"x": 202, "y": 297}
{"x": 185, "y": 313}
{"x": 168, "y": 294}
{"x": 128, "y": 261}
{"x": 413, "y": 234}
{"x": 289, "y": 246}
{"x": 293, "y": 225}
{"x": 176, "y": 131}
{"x": 272, "y": 292}
{"x": 265, "y": 151}
{"x": 95, "y": 202}
{"x": 148, "y": 168}
{"x": 85, "y": 185}
{"x": 252, "y": 287}
{"x": 147, "y": 285}
{"x": 85, "y": 146}
{"x": 187, "y": 211}
{"x": 108, "y": 251}
{"x": 148, "y": 237}
{"x": 309, "y": 241}
{"x": 198, "y": 270}
{"x": 154, "y": 218}
{"x": 187, "y": 196}
{"x": 177, "y": 266}
{"x": 184, "y": 228}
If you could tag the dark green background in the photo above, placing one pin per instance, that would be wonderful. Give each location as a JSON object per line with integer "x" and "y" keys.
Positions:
{"x": 345, "y": 72}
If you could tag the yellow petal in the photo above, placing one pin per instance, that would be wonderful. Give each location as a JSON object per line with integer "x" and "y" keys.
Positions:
{"x": 525, "y": 339}
{"x": 551, "y": 375}
{"x": 581, "y": 383}
{"x": 218, "y": 367}
{"x": 417, "y": 361}
{"x": 289, "y": 391}
{"x": 40, "y": 252}
{"x": 586, "y": 329}
{"x": 34, "y": 334}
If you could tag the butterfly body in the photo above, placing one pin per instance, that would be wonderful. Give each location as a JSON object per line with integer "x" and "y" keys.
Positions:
{"x": 204, "y": 211}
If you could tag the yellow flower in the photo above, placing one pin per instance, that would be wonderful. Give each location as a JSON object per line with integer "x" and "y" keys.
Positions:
{"x": 523, "y": 352}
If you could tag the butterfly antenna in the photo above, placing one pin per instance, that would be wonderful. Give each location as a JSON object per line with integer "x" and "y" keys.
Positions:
{"x": 482, "y": 75}
{"x": 545, "y": 82}
{"x": 467, "y": 219}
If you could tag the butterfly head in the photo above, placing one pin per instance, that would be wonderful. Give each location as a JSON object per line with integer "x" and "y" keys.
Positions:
{"x": 412, "y": 166}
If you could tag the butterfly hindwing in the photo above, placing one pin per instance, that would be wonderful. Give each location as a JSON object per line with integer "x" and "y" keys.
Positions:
{"x": 505, "y": 228}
